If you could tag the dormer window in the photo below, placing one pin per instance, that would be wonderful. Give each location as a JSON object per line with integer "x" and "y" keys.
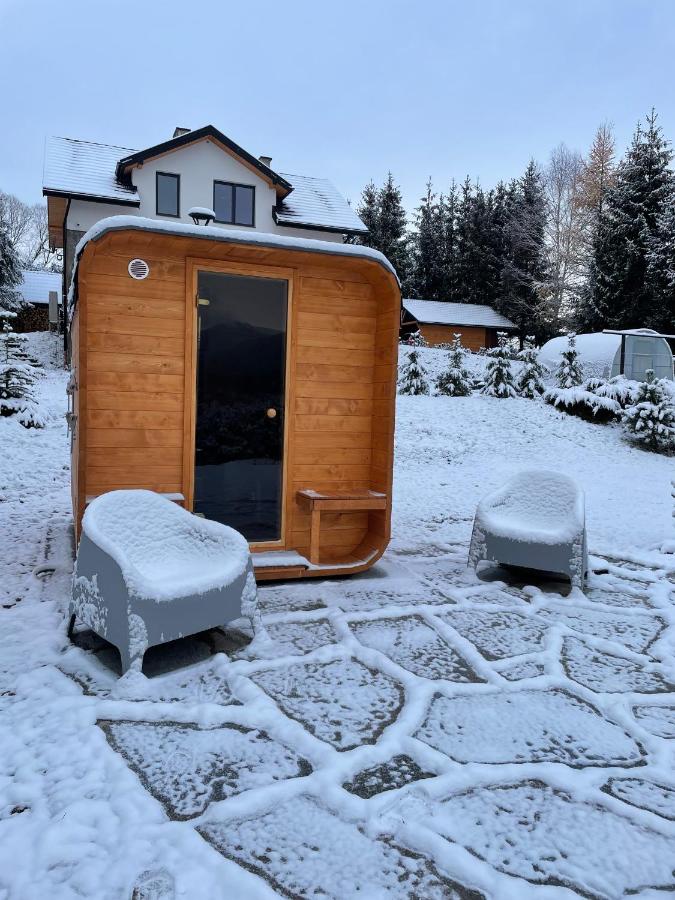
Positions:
{"x": 234, "y": 204}
{"x": 168, "y": 194}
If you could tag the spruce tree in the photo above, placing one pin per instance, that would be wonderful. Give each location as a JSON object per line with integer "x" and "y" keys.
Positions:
{"x": 381, "y": 211}
{"x": 620, "y": 287}
{"x": 17, "y": 376}
{"x": 498, "y": 373}
{"x": 427, "y": 270}
{"x": 568, "y": 373}
{"x": 449, "y": 252}
{"x": 529, "y": 382}
{"x": 524, "y": 269}
{"x": 661, "y": 269}
{"x": 10, "y": 274}
{"x": 368, "y": 211}
{"x": 456, "y": 380}
{"x": 413, "y": 378}
{"x": 651, "y": 418}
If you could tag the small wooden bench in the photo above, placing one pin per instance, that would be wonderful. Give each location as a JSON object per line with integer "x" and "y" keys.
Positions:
{"x": 335, "y": 501}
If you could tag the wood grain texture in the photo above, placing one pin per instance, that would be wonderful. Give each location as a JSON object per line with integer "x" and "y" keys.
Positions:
{"x": 136, "y": 359}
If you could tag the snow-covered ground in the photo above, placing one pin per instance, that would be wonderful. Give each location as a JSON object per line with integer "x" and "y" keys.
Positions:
{"x": 412, "y": 732}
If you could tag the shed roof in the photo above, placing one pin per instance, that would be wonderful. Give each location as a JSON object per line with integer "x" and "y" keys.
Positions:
{"x": 37, "y": 283}
{"x": 440, "y": 312}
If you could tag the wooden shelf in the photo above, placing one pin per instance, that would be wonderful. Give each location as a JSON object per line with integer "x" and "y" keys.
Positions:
{"x": 335, "y": 501}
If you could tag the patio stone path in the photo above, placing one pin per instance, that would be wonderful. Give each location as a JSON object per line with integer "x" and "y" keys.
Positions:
{"x": 300, "y": 756}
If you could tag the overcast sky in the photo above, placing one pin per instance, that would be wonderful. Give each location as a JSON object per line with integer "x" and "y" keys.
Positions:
{"x": 345, "y": 90}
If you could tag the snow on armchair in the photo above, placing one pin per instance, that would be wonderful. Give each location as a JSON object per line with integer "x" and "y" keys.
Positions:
{"x": 537, "y": 521}
{"x": 149, "y": 572}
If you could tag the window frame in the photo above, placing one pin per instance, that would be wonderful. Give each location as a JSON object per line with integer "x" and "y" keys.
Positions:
{"x": 233, "y": 185}
{"x": 176, "y": 176}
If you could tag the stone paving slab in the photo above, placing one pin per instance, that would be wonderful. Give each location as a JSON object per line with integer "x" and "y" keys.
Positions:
{"x": 540, "y": 834}
{"x": 343, "y": 703}
{"x": 607, "y": 673}
{"x": 298, "y": 638}
{"x": 186, "y": 767}
{"x": 659, "y": 720}
{"x": 395, "y": 773}
{"x": 526, "y": 726}
{"x": 498, "y": 634}
{"x": 304, "y": 850}
{"x": 637, "y": 632}
{"x": 415, "y": 646}
{"x": 530, "y": 668}
{"x": 645, "y": 794}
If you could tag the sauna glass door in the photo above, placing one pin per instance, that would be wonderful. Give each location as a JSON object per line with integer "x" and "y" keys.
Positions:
{"x": 241, "y": 362}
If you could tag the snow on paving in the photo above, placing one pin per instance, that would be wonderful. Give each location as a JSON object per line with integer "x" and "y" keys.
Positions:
{"x": 414, "y": 732}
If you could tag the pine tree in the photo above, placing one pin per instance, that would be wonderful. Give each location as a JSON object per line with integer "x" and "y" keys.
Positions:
{"x": 10, "y": 274}
{"x": 17, "y": 376}
{"x": 381, "y": 211}
{"x": 651, "y": 419}
{"x": 661, "y": 269}
{"x": 498, "y": 373}
{"x": 620, "y": 289}
{"x": 456, "y": 380}
{"x": 449, "y": 252}
{"x": 529, "y": 383}
{"x": 525, "y": 265}
{"x": 568, "y": 373}
{"x": 413, "y": 378}
{"x": 427, "y": 269}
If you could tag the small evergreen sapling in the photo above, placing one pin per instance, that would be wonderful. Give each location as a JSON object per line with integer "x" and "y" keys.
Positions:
{"x": 413, "y": 375}
{"x": 17, "y": 377}
{"x": 651, "y": 419}
{"x": 529, "y": 383}
{"x": 498, "y": 373}
{"x": 569, "y": 374}
{"x": 456, "y": 380}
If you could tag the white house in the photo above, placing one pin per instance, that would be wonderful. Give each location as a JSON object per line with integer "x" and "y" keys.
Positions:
{"x": 85, "y": 182}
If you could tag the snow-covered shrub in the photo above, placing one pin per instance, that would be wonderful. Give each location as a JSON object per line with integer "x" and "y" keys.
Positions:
{"x": 651, "y": 419}
{"x": 498, "y": 374}
{"x": 568, "y": 373}
{"x": 529, "y": 383}
{"x": 416, "y": 339}
{"x": 413, "y": 379}
{"x": 17, "y": 377}
{"x": 578, "y": 401}
{"x": 455, "y": 380}
{"x": 619, "y": 388}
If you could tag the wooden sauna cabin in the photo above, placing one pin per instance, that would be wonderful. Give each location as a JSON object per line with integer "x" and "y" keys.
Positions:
{"x": 250, "y": 377}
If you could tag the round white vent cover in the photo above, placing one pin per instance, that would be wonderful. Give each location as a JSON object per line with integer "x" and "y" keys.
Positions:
{"x": 138, "y": 269}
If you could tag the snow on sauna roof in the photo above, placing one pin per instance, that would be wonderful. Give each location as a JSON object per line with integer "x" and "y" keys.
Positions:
{"x": 234, "y": 236}
{"x": 438, "y": 312}
{"x": 37, "y": 283}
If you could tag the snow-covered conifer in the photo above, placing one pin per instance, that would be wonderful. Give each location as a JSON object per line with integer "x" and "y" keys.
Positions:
{"x": 17, "y": 377}
{"x": 569, "y": 374}
{"x": 651, "y": 419}
{"x": 10, "y": 274}
{"x": 413, "y": 378}
{"x": 529, "y": 383}
{"x": 455, "y": 380}
{"x": 498, "y": 373}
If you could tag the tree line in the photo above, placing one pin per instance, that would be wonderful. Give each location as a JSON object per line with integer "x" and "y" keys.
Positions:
{"x": 581, "y": 243}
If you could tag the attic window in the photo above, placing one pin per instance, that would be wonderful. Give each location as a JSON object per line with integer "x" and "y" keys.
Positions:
{"x": 168, "y": 194}
{"x": 234, "y": 204}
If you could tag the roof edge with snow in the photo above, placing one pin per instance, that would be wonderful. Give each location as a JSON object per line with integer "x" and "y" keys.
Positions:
{"x": 215, "y": 233}
{"x": 467, "y": 315}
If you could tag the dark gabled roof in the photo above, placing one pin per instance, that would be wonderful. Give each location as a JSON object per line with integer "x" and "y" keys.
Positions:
{"x": 316, "y": 203}
{"x": 87, "y": 170}
{"x": 208, "y": 131}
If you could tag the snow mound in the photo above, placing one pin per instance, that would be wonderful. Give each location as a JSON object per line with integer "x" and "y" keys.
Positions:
{"x": 164, "y": 551}
{"x": 541, "y": 506}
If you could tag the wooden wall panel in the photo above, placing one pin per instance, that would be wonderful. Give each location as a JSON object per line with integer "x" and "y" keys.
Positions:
{"x": 139, "y": 349}
{"x": 473, "y": 338}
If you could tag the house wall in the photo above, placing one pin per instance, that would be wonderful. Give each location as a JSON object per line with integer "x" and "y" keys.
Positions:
{"x": 473, "y": 338}
{"x": 136, "y": 380}
{"x": 199, "y": 165}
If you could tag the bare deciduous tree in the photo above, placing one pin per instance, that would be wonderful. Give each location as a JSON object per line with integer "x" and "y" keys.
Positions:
{"x": 597, "y": 177}
{"x": 564, "y": 231}
{"x": 27, "y": 228}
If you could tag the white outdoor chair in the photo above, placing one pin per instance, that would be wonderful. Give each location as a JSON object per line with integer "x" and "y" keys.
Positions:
{"x": 149, "y": 572}
{"x": 537, "y": 520}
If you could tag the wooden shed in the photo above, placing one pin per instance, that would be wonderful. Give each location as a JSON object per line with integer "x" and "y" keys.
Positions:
{"x": 250, "y": 377}
{"x": 438, "y": 321}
